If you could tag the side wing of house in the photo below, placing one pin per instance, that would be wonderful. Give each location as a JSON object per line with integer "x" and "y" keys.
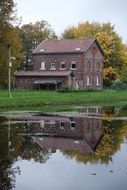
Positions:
{"x": 93, "y": 77}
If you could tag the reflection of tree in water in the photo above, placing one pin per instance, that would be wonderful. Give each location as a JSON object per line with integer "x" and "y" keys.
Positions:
{"x": 22, "y": 146}
{"x": 31, "y": 150}
{"x": 109, "y": 112}
{"x": 114, "y": 133}
{"x": 7, "y": 173}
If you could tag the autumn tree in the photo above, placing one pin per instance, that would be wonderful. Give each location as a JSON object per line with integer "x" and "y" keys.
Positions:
{"x": 32, "y": 35}
{"x": 115, "y": 53}
{"x": 8, "y": 35}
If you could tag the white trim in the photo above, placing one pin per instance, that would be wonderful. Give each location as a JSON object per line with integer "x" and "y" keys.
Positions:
{"x": 88, "y": 81}
{"x": 53, "y": 66}
{"x": 42, "y": 65}
{"x": 97, "y": 81}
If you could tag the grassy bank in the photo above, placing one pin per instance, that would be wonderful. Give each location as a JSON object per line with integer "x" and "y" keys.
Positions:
{"x": 30, "y": 99}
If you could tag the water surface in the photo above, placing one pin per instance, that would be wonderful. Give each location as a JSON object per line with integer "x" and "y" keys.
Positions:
{"x": 82, "y": 149}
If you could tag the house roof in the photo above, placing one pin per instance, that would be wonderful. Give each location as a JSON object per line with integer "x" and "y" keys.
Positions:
{"x": 64, "y": 45}
{"x": 63, "y": 144}
{"x": 42, "y": 73}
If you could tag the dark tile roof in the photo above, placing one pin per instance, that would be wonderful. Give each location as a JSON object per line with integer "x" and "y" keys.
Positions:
{"x": 42, "y": 73}
{"x": 65, "y": 45}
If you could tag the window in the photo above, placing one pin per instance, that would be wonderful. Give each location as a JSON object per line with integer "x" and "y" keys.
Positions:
{"x": 62, "y": 65}
{"x": 72, "y": 124}
{"x": 73, "y": 65}
{"x": 88, "y": 81}
{"x": 98, "y": 65}
{"x": 88, "y": 64}
{"x": 97, "y": 81}
{"x": 42, "y": 66}
{"x": 77, "y": 49}
{"x": 77, "y": 85}
{"x": 62, "y": 124}
{"x": 53, "y": 67}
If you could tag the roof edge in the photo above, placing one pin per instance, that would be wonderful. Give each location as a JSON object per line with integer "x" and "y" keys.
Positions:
{"x": 54, "y": 53}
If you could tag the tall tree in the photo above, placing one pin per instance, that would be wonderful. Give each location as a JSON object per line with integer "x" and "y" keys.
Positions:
{"x": 32, "y": 35}
{"x": 6, "y": 10}
{"x": 8, "y": 35}
{"x": 114, "y": 50}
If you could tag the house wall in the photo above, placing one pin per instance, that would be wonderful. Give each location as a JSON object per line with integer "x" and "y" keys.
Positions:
{"x": 88, "y": 65}
{"x": 82, "y": 71}
{"x": 86, "y": 129}
{"x": 28, "y": 83}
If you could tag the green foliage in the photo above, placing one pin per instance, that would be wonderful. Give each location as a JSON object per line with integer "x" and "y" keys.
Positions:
{"x": 118, "y": 85}
{"x": 65, "y": 89}
{"x": 70, "y": 89}
{"x": 31, "y": 35}
{"x": 6, "y": 10}
{"x": 123, "y": 76}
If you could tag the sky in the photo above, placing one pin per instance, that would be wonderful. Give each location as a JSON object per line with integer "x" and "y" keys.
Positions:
{"x": 61, "y": 14}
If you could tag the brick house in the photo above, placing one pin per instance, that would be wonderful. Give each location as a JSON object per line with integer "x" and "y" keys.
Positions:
{"x": 76, "y": 63}
{"x": 63, "y": 132}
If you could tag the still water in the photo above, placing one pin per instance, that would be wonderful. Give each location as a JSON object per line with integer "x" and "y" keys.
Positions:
{"x": 81, "y": 150}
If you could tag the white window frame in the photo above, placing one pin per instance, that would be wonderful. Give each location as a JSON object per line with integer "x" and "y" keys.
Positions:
{"x": 62, "y": 63}
{"x": 53, "y": 66}
{"x": 97, "y": 81}
{"x": 73, "y": 62}
{"x": 42, "y": 66}
{"x": 88, "y": 81}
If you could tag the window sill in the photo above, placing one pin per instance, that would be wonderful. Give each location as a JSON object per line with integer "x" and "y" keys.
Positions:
{"x": 52, "y": 69}
{"x": 88, "y": 85}
{"x": 73, "y": 68}
{"x": 62, "y": 69}
{"x": 42, "y": 69}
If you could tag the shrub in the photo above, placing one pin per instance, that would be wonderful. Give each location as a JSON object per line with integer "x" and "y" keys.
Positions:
{"x": 65, "y": 89}
{"x": 70, "y": 89}
{"x": 118, "y": 85}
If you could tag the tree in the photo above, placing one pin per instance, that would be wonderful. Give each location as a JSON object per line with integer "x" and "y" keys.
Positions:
{"x": 11, "y": 37}
{"x": 115, "y": 52}
{"x": 109, "y": 76}
{"x": 8, "y": 35}
{"x": 6, "y": 10}
{"x": 32, "y": 35}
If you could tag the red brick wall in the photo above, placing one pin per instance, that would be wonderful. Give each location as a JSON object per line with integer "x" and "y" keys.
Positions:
{"x": 82, "y": 72}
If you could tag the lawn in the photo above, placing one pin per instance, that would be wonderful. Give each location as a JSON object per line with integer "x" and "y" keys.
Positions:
{"x": 30, "y": 99}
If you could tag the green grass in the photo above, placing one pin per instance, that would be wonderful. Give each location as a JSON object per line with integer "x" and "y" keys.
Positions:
{"x": 35, "y": 99}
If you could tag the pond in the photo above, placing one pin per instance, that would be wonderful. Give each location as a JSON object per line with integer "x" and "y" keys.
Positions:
{"x": 82, "y": 149}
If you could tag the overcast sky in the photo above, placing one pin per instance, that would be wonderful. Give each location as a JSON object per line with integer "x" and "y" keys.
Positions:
{"x": 63, "y": 13}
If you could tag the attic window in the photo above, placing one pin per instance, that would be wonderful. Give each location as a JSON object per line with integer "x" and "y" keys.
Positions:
{"x": 77, "y": 49}
{"x": 41, "y": 50}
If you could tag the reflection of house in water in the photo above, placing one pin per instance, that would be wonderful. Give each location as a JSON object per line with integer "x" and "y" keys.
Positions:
{"x": 67, "y": 133}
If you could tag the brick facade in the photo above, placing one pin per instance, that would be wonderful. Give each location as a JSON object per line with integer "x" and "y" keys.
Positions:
{"x": 86, "y": 72}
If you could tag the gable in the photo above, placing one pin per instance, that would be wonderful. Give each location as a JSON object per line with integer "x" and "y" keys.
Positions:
{"x": 89, "y": 54}
{"x": 98, "y": 55}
